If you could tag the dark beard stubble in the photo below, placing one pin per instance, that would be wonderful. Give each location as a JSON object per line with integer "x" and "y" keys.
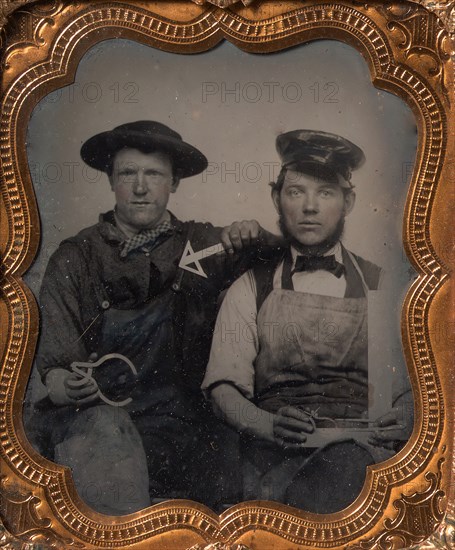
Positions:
{"x": 312, "y": 250}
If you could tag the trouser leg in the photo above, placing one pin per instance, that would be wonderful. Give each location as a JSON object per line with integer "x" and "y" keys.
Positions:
{"x": 105, "y": 453}
{"x": 184, "y": 456}
{"x": 169, "y": 445}
{"x": 268, "y": 469}
{"x": 330, "y": 479}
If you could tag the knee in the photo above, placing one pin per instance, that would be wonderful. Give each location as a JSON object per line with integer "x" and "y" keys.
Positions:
{"x": 101, "y": 421}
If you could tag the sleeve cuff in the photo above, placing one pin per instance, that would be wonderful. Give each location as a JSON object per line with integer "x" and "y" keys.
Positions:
{"x": 207, "y": 387}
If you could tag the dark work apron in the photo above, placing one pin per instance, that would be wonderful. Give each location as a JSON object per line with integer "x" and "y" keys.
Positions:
{"x": 155, "y": 434}
{"x": 314, "y": 356}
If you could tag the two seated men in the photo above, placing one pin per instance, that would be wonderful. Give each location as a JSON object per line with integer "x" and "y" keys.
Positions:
{"x": 115, "y": 297}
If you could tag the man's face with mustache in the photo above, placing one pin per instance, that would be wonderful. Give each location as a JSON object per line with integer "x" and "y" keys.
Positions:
{"x": 312, "y": 209}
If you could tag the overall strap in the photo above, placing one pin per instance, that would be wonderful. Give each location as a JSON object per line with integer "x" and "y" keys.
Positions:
{"x": 94, "y": 268}
{"x": 179, "y": 274}
{"x": 286, "y": 276}
{"x": 356, "y": 286}
{"x": 263, "y": 274}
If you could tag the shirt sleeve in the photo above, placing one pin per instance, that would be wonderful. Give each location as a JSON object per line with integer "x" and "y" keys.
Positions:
{"x": 226, "y": 268}
{"x": 235, "y": 339}
{"x": 61, "y": 332}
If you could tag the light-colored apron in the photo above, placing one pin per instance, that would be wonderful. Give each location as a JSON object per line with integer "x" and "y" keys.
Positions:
{"x": 314, "y": 356}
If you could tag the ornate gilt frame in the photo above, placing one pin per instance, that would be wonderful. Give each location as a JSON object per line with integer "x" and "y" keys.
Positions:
{"x": 408, "y": 48}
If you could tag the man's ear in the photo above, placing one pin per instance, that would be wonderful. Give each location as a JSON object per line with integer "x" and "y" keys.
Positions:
{"x": 175, "y": 184}
{"x": 111, "y": 181}
{"x": 276, "y": 199}
{"x": 349, "y": 201}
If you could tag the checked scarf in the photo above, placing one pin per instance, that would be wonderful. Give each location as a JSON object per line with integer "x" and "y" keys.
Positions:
{"x": 145, "y": 237}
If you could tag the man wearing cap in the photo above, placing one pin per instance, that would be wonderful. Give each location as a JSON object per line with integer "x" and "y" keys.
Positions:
{"x": 303, "y": 361}
{"x": 114, "y": 295}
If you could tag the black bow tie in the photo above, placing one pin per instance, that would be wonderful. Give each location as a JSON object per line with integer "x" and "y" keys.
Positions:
{"x": 313, "y": 263}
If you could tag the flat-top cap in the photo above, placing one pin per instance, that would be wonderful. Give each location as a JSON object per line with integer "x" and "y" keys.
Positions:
{"x": 315, "y": 148}
{"x": 147, "y": 136}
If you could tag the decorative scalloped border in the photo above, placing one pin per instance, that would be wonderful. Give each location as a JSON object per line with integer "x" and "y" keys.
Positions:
{"x": 212, "y": 26}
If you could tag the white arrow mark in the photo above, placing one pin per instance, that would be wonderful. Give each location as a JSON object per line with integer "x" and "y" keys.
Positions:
{"x": 190, "y": 257}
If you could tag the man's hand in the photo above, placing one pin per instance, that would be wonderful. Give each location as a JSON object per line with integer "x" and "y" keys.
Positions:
{"x": 68, "y": 388}
{"x": 81, "y": 390}
{"x": 290, "y": 426}
{"x": 240, "y": 234}
{"x": 397, "y": 430}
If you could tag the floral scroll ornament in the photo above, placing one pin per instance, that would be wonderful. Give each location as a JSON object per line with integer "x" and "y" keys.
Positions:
{"x": 224, "y": 3}
{"x": 31, "y": 532}
{"x": 444, "y": 9}
{"x": 34, "y": 531}
{"x": 219, "y": 546}
{"x": 411, "y": 524}
{"x": 8, "y": 6}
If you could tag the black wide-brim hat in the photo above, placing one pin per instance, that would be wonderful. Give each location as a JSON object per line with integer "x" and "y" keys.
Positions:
{"x": 147, "y": 136}
{"x": 317, "y": 148}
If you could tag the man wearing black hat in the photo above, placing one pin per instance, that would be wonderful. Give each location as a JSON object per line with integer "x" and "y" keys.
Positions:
{"x": 303, "y": 362}
{"x": 115, "y": 295}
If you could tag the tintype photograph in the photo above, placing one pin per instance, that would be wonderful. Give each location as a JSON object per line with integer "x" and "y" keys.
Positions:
{"x": 225, "y": 280}
{"x": 220, "y": 276}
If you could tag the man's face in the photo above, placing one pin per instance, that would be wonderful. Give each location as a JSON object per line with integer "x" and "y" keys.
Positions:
{"x": 311, "y": 208}
{"x": 142, "y": 183}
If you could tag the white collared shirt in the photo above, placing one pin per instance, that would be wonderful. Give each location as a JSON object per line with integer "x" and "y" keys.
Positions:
{"x": 315, "y": 282}
{"x": 235, "y": 340}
